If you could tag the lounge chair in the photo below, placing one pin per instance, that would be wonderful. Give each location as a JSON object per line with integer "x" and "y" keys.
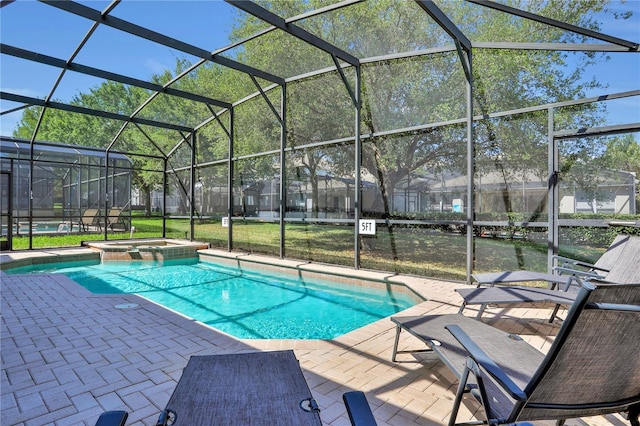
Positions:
{"x": 562, "y": 288}
{"x": 90, "y": 218}
{"x": 592, "y": 367}
{"x": 115, "y": 218}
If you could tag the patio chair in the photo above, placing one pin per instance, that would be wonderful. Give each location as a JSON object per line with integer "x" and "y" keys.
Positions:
{"x": 90, "y": 218}
{"x": 592, "y": 367}
{"x": 562, "y": 288}
{"x": 115, "y": 218}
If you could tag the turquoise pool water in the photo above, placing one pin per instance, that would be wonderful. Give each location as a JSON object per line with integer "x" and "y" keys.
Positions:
{"x": 246, "y": 304}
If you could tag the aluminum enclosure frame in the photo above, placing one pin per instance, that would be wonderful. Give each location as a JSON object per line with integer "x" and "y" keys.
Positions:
{"x": 462, "y": 44}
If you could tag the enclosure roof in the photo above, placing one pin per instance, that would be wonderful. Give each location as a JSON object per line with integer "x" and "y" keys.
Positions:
{"x": 11, "y": 147}
{"x": 88, "y": 43}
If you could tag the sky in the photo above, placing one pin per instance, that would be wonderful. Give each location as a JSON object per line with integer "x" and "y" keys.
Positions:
{"x": 37, "y": 27}
{"x": 34, "y": 26}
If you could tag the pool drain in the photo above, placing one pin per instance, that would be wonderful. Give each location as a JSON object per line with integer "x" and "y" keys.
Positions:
{"x": 126, "y": 306}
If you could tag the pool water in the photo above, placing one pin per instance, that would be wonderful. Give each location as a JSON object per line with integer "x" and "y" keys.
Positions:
{"x": 246, "y": 304}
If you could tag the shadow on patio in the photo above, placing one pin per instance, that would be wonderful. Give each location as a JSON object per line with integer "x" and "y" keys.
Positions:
{"x": 68, "y": 355}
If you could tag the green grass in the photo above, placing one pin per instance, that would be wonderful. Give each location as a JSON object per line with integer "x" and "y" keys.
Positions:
{"x": 423, "y": 251}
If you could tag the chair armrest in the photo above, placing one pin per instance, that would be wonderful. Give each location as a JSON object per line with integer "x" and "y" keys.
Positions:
{"x": 358, "y": 409}
{"x": 484, "y": 361}
{"x": 577, "y": 272}
{"x": 112, "y": 418}
{"x": 567, "y": 260}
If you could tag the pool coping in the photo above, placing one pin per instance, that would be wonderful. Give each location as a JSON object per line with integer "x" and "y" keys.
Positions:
{"x": 17, "y": 259}
{"x": 310, "y": 270}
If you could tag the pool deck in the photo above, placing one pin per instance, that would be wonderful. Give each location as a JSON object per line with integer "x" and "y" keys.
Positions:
{"x": 68, "y": 355}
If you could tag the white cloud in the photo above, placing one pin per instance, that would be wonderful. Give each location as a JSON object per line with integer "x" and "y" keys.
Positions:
{"x": 155, "y": 66}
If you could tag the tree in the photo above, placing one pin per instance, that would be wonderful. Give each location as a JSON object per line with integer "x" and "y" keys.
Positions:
{"x": 408, "y": 92}
{"x": 623, "y": 153}
{"x": 396, "y": 94}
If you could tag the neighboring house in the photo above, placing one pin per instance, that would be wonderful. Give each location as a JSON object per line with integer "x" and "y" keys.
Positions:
{"x": 612, "y": 191}
{"x": 66, "y": 180}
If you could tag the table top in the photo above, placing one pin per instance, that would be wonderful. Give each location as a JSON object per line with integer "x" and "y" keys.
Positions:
{"x": 243, "y": 389}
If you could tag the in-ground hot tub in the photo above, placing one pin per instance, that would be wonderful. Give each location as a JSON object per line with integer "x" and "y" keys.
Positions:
{"x": 158, "y": 250}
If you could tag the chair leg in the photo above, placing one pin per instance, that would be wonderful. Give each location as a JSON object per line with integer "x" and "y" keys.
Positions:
{"x": 554, "y": 313}
{"x": 456, "y": 403}
{"x": 634, "y": 414}
{"x": 395, "y": 345}
{"x": 481, "y": 311}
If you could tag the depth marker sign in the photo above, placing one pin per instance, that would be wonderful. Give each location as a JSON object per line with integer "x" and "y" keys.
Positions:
{"x": 367, "y": 227}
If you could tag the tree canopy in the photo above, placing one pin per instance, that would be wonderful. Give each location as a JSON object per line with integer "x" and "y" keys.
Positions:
{"x": 397, "y": 94}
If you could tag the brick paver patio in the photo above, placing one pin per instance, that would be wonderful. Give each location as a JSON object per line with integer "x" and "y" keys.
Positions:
{"x": 68, "y": 355}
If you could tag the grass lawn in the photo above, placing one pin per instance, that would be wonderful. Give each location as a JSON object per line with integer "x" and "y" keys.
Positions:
{"x": 419, "y": 251}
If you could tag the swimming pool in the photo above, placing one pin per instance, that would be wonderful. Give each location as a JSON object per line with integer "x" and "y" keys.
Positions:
{"x": 41, "y": 228}
{"x": 244, "y": 303}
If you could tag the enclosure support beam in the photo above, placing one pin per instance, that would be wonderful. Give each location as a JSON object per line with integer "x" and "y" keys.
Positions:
{"x": 471, "y": 158}
{"x": 355, "y": 98}
{"x": 31, "y": 170}
{"x": 95, "y": 72}
{"x": 7, "y": 177}
{"x": 268, "y": 101}
{"x": 105, "y": 215}
{"x": 344, "y": 80}
{"x": 282, "y": 188}
{"x": 230, "y": 184}
{"x": 619, "y": 129}
{"x": 88, "y": 111}
{"x": 464, "y": 60}
{"x": 165, "y": 162}
{"x": 357, "y": 196}
{"x": 128, "y": 27}
{"x": 552, "y": 189}
{"x": 151, "y": 141}
{"x": 275, "y": 20}
{"x": 555, "y": 23}
{"x": 443, "y": 20}
{"x": 192, "y": 192}
{"x": 463, "y": 46}
{"x": 217, "y": 118}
